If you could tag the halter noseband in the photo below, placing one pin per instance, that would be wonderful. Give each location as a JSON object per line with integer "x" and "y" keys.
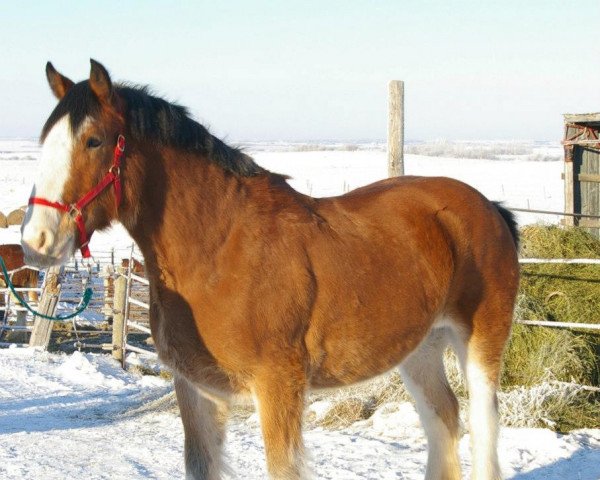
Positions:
{"x": 75, "y": 210}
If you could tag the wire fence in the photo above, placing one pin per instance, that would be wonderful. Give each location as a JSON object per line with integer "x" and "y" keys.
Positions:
{"x": 101, "y": 272}
{"x": 562, "y": 261}
{"x": 549, "y": 212}
{"x": 76, "y": 276}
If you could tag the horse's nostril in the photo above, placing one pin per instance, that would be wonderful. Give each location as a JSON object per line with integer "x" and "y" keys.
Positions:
{"x": 44, "y": 241}
{"x": 41, "y": 240}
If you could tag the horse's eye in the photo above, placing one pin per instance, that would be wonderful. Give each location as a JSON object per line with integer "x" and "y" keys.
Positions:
{"x": 93, "y": 142}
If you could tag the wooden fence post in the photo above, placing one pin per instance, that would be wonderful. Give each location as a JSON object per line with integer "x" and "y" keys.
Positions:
{"x": 396, "y": 129}
{"x": 119, "y": 302}
{"x": 107, "y": 274}
{"x": 42, "y": 328}
{"x": 569, "y": 194}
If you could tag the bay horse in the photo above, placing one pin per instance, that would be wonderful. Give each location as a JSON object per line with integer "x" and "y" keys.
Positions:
{"x": 13, "y": 256}
{"x": 259, "y": 290}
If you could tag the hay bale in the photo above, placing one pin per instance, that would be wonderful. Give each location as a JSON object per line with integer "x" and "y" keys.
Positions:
{"x": 561, "y": 292}
{"x": 3, "y": 221}
{"x": 536, "y": 354}
{"x": 344, "y": 413}
{"x": 550, "y": 241}
{"x": 566, "y": 293}
{"x": 16, "y": 217}
{"x": 560, "y": 406}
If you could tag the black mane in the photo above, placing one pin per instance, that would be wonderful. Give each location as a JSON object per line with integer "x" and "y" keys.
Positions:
{"x": 154, "y": 119}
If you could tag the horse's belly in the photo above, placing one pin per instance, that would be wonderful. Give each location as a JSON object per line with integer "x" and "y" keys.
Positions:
{"x": 345, "y": 357}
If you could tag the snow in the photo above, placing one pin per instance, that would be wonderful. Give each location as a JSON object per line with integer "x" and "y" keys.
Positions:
{"x": 82, "y": 416}
{"x": 518, "y": 183}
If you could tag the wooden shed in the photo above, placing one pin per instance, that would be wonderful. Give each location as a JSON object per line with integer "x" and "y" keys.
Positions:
{"x": 582, "y": 170}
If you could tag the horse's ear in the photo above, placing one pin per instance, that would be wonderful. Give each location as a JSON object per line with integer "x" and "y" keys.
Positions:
{"x": 100, "y": 82}
{"x": 59, "y": 84}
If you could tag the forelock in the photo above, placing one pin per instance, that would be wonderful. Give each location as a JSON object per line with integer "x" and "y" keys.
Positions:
{"x": 79, "y": 103}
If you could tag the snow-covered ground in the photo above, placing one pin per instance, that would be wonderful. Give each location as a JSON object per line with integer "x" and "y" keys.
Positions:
{"x": 81, "y": 416}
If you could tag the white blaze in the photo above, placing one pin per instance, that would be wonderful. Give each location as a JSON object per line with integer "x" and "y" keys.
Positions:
{"x": 53, "y": 172}
{"x": 55, "y": 164}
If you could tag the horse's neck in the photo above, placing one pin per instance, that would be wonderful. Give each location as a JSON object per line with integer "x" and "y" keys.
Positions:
{"x": 179, "y": 210}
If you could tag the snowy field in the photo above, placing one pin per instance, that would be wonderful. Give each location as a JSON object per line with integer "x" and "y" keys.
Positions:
{"x": 81, "y": 416}
{"x": 513, "y": 180}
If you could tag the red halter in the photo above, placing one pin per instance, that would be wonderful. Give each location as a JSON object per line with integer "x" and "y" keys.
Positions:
{"x": 75, "y": 209}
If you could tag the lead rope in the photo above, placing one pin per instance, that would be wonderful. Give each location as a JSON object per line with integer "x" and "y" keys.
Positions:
{"x": 83, "y": 304}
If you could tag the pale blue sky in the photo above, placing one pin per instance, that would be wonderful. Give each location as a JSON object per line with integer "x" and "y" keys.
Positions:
{"x": 290, "y": 70}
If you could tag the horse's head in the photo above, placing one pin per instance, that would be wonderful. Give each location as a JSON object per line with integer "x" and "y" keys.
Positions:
{"x": 78, "y": 154}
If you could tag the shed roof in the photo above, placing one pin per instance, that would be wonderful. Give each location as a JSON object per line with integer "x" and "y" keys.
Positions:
{"x": 591, "y": 119}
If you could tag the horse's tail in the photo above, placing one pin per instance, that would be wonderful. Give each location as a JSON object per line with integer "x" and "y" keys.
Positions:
{"x": 509, "y": 219}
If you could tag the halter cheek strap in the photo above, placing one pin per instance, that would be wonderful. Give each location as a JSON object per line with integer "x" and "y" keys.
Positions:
{"x": 75, "y": 210}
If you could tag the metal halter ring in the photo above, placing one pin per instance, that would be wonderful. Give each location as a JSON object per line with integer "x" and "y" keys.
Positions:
{"x": 121, "y": 143}
{"x": 74, "y": 212}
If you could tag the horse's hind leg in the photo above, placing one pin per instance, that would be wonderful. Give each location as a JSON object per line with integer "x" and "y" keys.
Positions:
{"x": 279, "y": 397}
{"x": 424, "y": 376}
{"x": 480, "y": 350}
{"x": 204, "y": 432}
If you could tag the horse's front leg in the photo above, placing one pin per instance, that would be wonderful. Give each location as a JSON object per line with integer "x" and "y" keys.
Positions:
{"x": 204, "y": 432}
{"x": 279, "y": 397}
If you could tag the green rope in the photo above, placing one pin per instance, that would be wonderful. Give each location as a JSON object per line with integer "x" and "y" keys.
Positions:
{"x": 85, "y": 300}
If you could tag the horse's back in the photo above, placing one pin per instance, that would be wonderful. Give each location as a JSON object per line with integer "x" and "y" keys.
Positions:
{"x": 411, "y": 208}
